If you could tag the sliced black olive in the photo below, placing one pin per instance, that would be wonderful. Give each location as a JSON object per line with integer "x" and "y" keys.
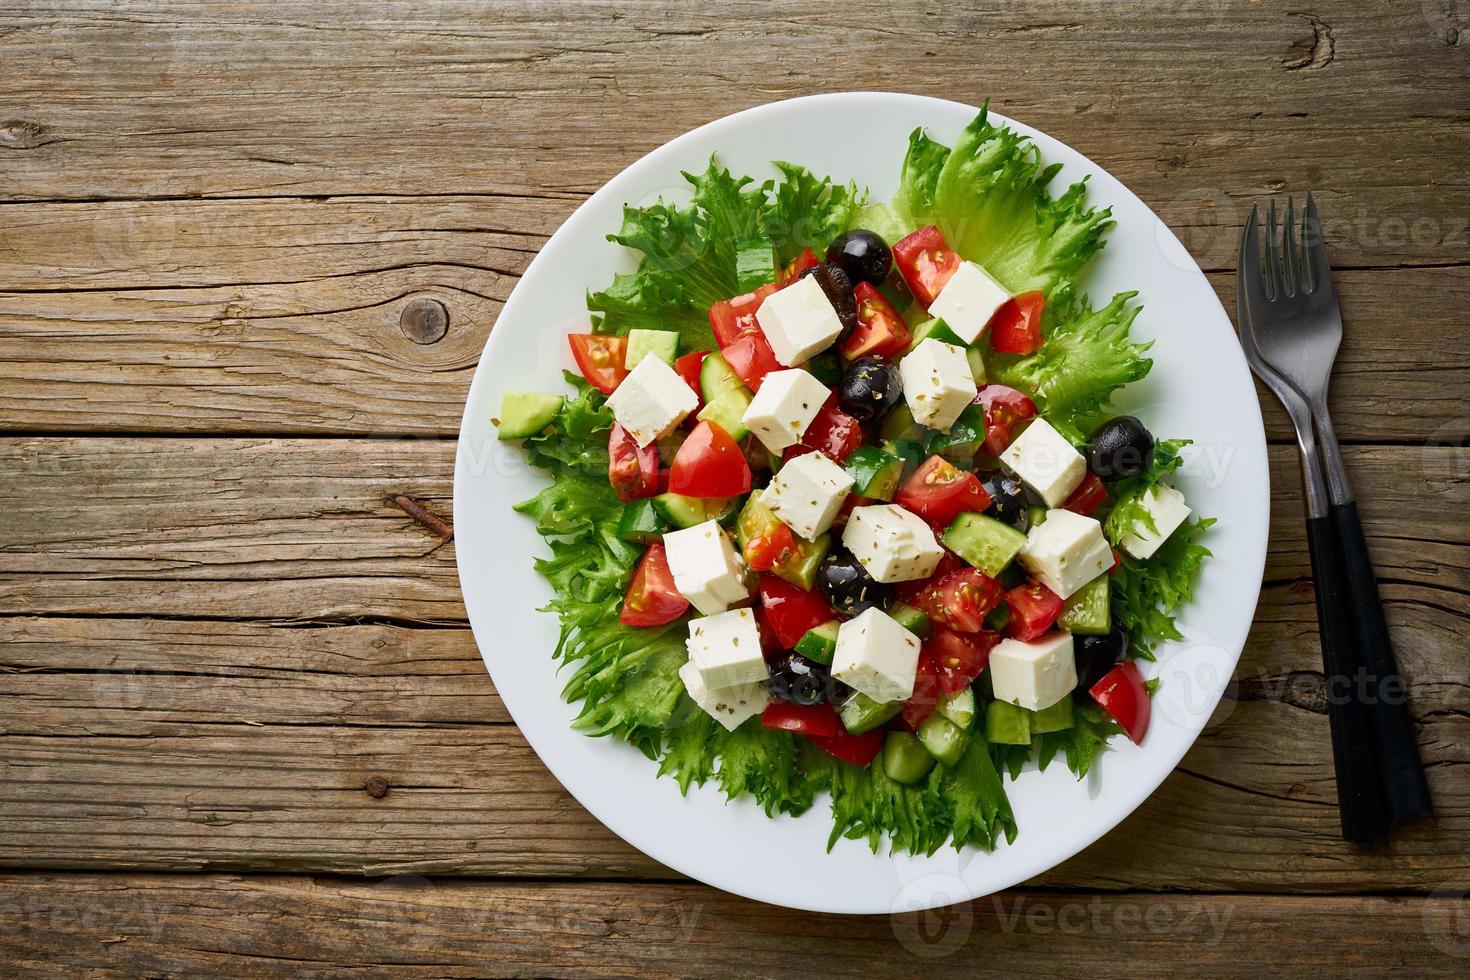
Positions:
{"x": 863, "y": 255}
{"x": 796, "y": 679}
{"x": 838, "y": 289}
{"x": 1096, "y": 655}
{"x": 1007, "y": 500}
{"x": 869, "y": 390}
{"x": 847, "y": 586}
{"x": 1120, "y": 447}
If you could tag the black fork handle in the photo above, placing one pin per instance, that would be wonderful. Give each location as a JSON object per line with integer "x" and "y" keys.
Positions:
{"x": 1405, "y": 791}
{"x": 1359, "y": 800}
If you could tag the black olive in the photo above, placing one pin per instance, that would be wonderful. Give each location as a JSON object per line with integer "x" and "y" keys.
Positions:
{"x": 847, "y": 586}
{"x": 1007, "y": 501}
{"x": 796, "y": 679}
{"x": 1096, "y": 655}
{"x": 863, "y": 255}
{"x": 869, "y": 390}
{"x": 1120, "y": 447}
{"x": 838, "y": 289}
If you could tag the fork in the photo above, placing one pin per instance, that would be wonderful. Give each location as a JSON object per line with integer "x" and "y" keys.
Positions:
{"x": 1360, "y": 805}
{"x": 1298, "y": 329}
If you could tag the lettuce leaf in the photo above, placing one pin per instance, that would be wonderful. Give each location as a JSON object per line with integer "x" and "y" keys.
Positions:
{"x": 1086, "y": 356}
{"x": 1147, "y": 595}
{"x": 988, "y": 195}
{"x": 724, "y": 243}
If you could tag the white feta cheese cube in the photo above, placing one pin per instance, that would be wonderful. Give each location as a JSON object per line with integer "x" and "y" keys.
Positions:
{"x": 1033, "y": 675}
{"x": 937, "y": 383}
{"x": 807, "y": 492}
{"x": 707, "y": 570}
{"x": 798, "y": 321}
{"x": 728, "y": 705}
{"x": 876, "y": 656}
{"x": 968, "y": 301}
{"x": 1066, "y": 551}
{"x": 726, "y": 649}
{"x": 893, "y": 544}
{"x": 1167, "y": 508}
{"x": 1046, "y": 462}
{"x": 783, "y": 408}
{"x": 651, "y": 400}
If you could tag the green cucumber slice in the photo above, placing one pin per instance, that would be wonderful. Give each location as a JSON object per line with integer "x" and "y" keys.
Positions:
{"x": 819, "y": 643}
{"x": 800, "y": 569}
{"x": 728, "y": 412}
{"x": 861, "y": 713}
{"x": 662, "y": 344}
{"x": 912, "y": 619}
{"x": 1088, "y": 610}
{"x": 875, "y": 473}
{"x": 1007, "y": 724}
{"x": 904, "y": 759}
{"x": 943, "y": 739}
{"x": 716, "y": 377}
{"x": 958, "y": 707}
{"x": 988, "y": 544}
{"x": 682, "y": 511}
{"x": 525, "y": 413}
{"x": 1056, "y": 718}
{"x": 935, "y": 329}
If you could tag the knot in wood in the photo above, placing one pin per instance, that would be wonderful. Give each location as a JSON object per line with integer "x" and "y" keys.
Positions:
{"x": 424, "y": 321}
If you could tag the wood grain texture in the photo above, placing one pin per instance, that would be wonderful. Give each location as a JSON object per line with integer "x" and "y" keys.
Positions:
{"x": 411, "y": 926}
{"x": 300, "y": 528}
{"x": 230, "y": 317}
{"x": 524, "y": 98}
{"x": 168, "y": 745}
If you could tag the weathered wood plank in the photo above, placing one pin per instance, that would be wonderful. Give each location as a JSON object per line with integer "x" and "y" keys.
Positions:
{"x": 169, "y": 745}
{"x": 300, "y": 529}
{"x": 123, "y": 737}
{"x": 294, "y": 926}
{"x": 312, "y": 98}
{"x": 282, "y": 317}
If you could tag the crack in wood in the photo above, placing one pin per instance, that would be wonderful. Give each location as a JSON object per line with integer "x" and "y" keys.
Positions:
{"x": 1317, "y": 50}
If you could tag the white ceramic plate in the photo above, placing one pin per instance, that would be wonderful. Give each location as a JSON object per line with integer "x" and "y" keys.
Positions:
{"x": 1199, "y": 387}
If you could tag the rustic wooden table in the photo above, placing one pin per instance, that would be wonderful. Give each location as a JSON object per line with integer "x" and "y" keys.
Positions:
{"x": 243, "y": 725}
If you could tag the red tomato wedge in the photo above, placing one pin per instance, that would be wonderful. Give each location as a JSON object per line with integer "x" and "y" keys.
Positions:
{"x": 833, "y": 432}
{"x": 1034, "y": 608}
{"x": 735, "y": 317}
{"x": 709, "y": 464}
{"x": 922, "y": 702}
{"x": 1016, "y": 326}
{"x": 939, "y": 492}
{"x": 811, "y": 720}
{"x": 791, "y": 610}
{"x": 1089, "y": 493}
{"x": 1122, "y": 694}
{"x": 633, "y": 472}
{"x": 688, "y": 367}
{"x": 960, "y": 599}
{"x": 1005, "y": 409}
{"x": 764, "y": 551}
{"x": 787, "y": 275}
{"x": 751, "y": 358}
{"x": 860, "y": 750}
{"x": 926, "y": 262}
{"x": 600, "y": 359}
{"x": 959, "y": 657}
{"x": 652, "y": 599}
{"x": 880, "y": 332}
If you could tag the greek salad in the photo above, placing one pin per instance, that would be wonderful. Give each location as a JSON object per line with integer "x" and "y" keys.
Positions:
{"x": 840, "y": 504}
